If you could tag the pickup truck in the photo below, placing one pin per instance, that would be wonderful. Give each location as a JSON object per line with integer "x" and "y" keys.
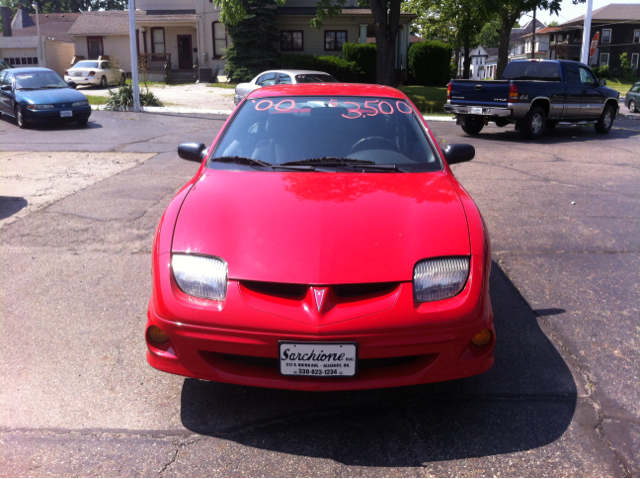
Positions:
{"x": 534, "y": 94}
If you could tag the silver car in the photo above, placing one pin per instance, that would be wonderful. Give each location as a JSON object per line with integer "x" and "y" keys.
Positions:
{"x": 281, "y": 77}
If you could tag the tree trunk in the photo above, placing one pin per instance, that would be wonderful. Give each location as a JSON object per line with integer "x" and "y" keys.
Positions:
{"x": 456, "y": 60}
{"x": 467, "y": 56}
{"x": 508, "y": 21}
{"x": 387, "y": 26}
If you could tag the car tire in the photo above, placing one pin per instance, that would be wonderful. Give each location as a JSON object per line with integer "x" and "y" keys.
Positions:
{"x": 605, "y": 122}
{"x": 532, "y": 126}
{"x": 83, "y": 122}
{"x": 19, "y": 118}
{"x": 103, "y": 82}
{"x": 472, "y": 125}
{"x": 123, "y": 79}
{"x": 632, "y": 106}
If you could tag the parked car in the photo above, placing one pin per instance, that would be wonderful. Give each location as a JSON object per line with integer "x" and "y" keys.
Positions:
{"x": 39, "y": 95}
{"x": 323, "y": 244}
{"x": 4, "y": 65}
{"x": 97, "y": 73}
{"x": 632, "y": 99}
{"x": 534, "y": 94}
{"x": 281, "y": 77}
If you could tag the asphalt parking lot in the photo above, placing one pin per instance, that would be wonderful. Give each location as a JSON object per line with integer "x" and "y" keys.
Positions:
{"x": 77, "y": 397}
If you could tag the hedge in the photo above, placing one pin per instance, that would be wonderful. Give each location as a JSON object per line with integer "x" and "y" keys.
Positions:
{"x": 364, "y": 54}
{"x": 339, "y": 68}
{"x": 429, "y": 63}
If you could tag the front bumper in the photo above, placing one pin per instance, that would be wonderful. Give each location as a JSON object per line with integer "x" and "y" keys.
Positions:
{"x": 399, "y": 342}
{"x": 51, "y": 116}
{"x": 486, "y": 111}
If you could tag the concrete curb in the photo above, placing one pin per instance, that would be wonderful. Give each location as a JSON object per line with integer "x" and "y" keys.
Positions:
{"x": 203, "y": 111}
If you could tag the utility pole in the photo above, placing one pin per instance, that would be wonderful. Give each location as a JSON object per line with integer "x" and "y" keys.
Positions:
{"x": 134, "y": 55}
{"x": 586, "y": 34}
{"x": 533, "y": 38}
{"x": 40, "y": 56}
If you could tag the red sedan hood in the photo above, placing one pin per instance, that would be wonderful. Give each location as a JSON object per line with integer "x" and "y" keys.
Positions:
{"x": 322, "y": 228}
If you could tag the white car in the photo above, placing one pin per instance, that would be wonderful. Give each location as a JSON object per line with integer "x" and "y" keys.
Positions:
{"x": 281, "y": 77}
{"x": 94, "y": 72}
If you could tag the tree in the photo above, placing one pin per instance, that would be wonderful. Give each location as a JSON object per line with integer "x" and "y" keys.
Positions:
{"x": 253, "y": 39}
{"x": 71, "y": 6}
{"x": 553, "y": 24}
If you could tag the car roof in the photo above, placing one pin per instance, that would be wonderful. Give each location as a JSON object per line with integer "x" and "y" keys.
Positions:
{"x": 327, "y": 89}
{"x": 32, "y": 69}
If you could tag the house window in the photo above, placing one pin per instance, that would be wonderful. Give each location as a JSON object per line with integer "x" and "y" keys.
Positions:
{"x": 606, "y": 35}
{"x": 94, "y": 47}
{"x": 604, "y": 59}
{"x": 634, "y": 60}
{"x": 219, "y": 39}
{"x": 334, "y": 39}
{"x": 291, "y": 40}
{"x": 636, "y": 36}
{"x": 157, "y": 40}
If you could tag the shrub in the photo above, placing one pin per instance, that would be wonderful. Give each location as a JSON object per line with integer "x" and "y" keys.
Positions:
{"x": 123, "y": 98}
{"x": 341, "y": 69}
{"x": 602, "y": 72}
{"x": 364, "y": 55}
{"x": 627, "y": 69}
{"x": 430, "y": 63}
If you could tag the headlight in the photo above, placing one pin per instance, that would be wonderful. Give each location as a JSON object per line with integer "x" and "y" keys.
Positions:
{"x": 436, "y": 279}
{"x": 41, "y": 107}
{"x": 81, "y": 103}
{"x": 200, "y": 276}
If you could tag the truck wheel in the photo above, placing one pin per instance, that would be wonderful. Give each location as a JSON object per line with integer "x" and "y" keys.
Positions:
{"x": 605, "y": 122}
{"x": 472, "y": 125}
{"x": 533, "y": 124}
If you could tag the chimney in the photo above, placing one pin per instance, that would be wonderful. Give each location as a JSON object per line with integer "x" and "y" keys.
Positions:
{"x": 5, "y": 13}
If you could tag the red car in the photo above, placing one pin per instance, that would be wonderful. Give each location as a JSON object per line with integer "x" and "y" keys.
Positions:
{"x": 324, "y": 244}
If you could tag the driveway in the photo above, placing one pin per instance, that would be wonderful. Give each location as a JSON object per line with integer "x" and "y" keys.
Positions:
{"x": 77, "y": 397}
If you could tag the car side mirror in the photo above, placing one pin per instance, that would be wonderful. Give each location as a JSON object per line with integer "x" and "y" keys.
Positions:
{"x": 72, "y": 84}
{"x": 192, "y": 151}
{"x": 6, "y": 88}
{"x": 459, "y": 153}
{"x": 602, "y": 82}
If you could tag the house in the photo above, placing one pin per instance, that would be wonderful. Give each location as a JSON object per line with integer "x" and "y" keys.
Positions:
{"x": 618, "y": 26}
{"x": 517, "y": 44}
{"x": 541, "y": 48}
{"x": 19, "y": 43}
{"x": 182, "y": 37}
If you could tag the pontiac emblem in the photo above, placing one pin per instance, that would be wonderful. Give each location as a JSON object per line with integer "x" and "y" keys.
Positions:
{"x": 319, "y": 295}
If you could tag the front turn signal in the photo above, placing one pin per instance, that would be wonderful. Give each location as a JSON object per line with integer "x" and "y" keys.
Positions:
{"x": 482, "y": 338}
{"x": 157, "y": 335}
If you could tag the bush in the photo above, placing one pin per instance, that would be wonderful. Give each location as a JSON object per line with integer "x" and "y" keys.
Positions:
{"x": 364, "y": 55}
{"x": 601, "y": 72}
{"x": 341, "y": 69}
{"x": 123, "y": 98}
{"x": 430, "y": 63}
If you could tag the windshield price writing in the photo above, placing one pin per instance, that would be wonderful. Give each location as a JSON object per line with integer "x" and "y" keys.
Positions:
{"x": 354, "y": 109}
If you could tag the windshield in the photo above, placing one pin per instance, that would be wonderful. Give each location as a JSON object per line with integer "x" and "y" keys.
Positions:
{"x": 39, "y": 79}
{"x": 378, "y": 131}
{"x": 532, "y": 70}
{"x": 315, "y": 78}
{"x": 86, "y": 65}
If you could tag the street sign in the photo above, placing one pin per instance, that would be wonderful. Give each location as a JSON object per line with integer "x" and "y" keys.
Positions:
{"x": 594, "y": 44}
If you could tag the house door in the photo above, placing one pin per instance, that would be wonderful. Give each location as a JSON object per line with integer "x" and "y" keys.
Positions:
{"x": 94, "y": 47}
{"x": 185, "y": 52}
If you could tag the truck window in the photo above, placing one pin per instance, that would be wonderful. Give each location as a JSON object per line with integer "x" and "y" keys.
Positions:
{"x": 541, "y": 71}
{"x": 586, "y": 77}
{"x": 572, "y": 74}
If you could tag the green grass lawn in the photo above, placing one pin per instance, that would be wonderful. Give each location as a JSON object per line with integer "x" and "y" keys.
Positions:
{"x": 620, "y": 84}
{"x": 96, "y": 100}
{"x": 428, "y": 99}
{"x": 222, "y": 85}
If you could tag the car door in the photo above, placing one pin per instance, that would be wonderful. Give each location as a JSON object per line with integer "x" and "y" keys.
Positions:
{"x": 593, "y": 97}
{"x": 573, "y": 95}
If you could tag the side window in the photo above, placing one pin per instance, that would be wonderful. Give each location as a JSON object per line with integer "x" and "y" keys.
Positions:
{"x": 284, "y": 79}
{"x": 267, "y": 79}
{"x": 104, "y": 66}
{"x": 587, "y": 78}
{"x": 634, "y": 89}
{"x": 572, "y": 75}
{"x": 4, "y": 72}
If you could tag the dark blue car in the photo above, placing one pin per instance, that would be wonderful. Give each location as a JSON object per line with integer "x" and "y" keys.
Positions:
{"x": 39, "y": 95}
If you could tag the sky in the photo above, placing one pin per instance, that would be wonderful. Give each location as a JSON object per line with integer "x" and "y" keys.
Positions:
{"x": 569, "y": 11}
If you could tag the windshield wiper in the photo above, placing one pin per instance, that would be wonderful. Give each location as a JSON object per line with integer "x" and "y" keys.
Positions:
{"x": 344, "y": 162}
{"x": 241, "y": 160}
{"x": 330, "y": 161}
{"x": 54, "y": 86}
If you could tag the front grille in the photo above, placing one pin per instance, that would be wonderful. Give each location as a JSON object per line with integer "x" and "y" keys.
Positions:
{"x": 363, "y": 289}
{"x": 276, "y": 289}
{"x": 362, "y": 363}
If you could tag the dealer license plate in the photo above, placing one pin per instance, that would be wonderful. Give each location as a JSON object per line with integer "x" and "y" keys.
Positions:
{"x": 318, "y": 359}
{"x": 77, "y": 74}
{"x": 476, "y": 111}
{"x": 66, "y": 114}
